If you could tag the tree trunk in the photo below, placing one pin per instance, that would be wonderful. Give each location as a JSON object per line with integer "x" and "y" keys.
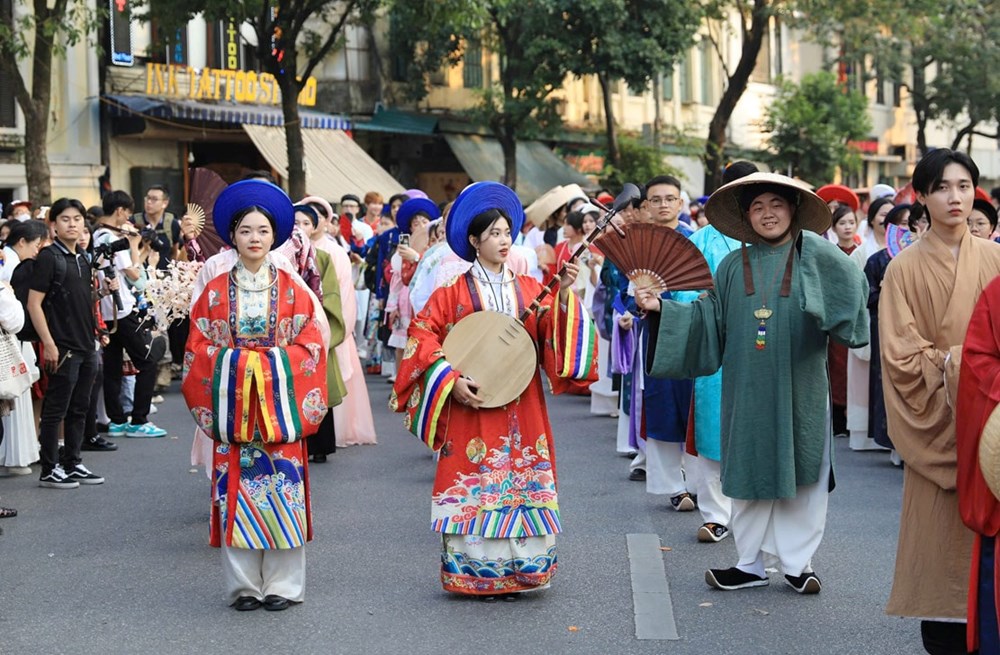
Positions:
{"x": 294, "y": 143}
{"x": 609, "y": 120}
{"x": 36, "y": 109}
{"x": 293, "y": 126}
{"x": 36, "y": 160}
{"x": 920, "y": 106}
{"x": 657, "y": 111}
{"x": 508, "y": 145}
{"x": 736, "y": 85}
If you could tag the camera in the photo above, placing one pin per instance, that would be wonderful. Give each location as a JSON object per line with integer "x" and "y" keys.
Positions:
{"x": 108, "y": 250}
{"x": 151, "y": 238}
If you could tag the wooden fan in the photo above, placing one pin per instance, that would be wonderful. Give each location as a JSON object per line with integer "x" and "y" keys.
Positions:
{"x": 657, "y": 257}
{"x": 198, "y": 214}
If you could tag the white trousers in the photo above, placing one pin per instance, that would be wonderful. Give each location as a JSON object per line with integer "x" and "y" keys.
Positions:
{"x": 665, "y": 466}
{"x": 784, "y": 532}
{"x": 259, "y": 573}
{"x": 621, "y": 442}
{"x": 715, "y": 506}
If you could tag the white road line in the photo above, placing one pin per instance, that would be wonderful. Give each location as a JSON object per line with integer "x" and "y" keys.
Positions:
{"x": 654, "y": 611}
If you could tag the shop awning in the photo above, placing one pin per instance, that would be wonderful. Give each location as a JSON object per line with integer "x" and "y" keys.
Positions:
{"x": 206, "y": 112}
{"x": 335, "y": 164}
{"x": 395, "y": 121}
{"x": 538, "y": 168}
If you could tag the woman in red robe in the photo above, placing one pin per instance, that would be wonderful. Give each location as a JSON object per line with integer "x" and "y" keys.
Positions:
{"x": 255, "y": 382}
{"x": 978, "y": 395}
{"x": 495, "y": 498}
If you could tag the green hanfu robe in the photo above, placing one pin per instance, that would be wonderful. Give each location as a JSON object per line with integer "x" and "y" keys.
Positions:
{"x": 775, "y": 400}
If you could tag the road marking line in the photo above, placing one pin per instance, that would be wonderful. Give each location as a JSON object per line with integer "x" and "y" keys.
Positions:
{"x": 654, "y": 611}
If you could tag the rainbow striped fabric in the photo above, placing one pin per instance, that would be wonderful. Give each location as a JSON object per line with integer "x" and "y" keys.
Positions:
{"x": 242, "y": 376}
{"x": 574, "y": 348}
{"x": 438, "y": 381}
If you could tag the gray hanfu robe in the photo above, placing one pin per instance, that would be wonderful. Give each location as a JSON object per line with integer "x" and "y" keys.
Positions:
{"x": 775, "y": 399}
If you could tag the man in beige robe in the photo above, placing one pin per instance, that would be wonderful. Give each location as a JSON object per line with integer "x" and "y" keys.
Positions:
{"x": 928, "y": 295}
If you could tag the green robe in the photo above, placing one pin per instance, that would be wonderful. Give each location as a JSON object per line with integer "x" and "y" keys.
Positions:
{"x": 775, "y": 400}
{"x": 336, "y": 388}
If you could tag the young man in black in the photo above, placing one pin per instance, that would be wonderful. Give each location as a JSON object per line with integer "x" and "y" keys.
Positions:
{"x": 61, "y": 307}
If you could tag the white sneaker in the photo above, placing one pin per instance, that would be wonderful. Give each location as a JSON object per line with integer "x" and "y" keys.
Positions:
{"x": 7, "y": 471}
{"x": 157, "y": 399}
{"x": 152, "y": 408}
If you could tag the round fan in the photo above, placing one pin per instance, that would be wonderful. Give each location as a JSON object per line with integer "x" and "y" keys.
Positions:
{"x": 206, "y": 185}
{"x": 655, "y": 256}
{"x": 897, "y": 238}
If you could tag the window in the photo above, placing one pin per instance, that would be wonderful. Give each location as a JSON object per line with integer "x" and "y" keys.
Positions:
{"x": 472, "y": 65}
{"x": 707, "y": 78}
{"x": 897, "y": 94}
{"x": 779, "y": 63}
{"x": 879, "y": 87}
{"x": 687, "y": 93}
{"x": 667, "y": 86}
{"x": 762, "y": 69}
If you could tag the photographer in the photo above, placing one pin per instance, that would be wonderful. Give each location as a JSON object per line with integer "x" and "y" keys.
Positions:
{"x": 117, "y": 252}
{"x": 159, "y": 228}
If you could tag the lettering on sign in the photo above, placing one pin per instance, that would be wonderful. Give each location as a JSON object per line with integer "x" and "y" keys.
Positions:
{"x": 244, "y": 87}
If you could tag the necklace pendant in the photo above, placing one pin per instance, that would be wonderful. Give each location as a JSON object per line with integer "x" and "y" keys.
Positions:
{"x": 762, "y": 314}
{"x": 761, "y": 335}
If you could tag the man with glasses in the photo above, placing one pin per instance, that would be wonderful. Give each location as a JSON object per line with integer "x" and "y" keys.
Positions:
{"x": 659, "y": 409}
{"x": 165, "y": 226}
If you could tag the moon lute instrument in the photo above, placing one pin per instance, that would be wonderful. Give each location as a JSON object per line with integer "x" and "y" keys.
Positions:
{"x": 495, "y": 350}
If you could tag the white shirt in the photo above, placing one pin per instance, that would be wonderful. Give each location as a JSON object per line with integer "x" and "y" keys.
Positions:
{"x": 10, "y": 262}
{"x": 122, "y": 260}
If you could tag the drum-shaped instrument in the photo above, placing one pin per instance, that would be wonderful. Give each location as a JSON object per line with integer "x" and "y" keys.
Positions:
{"x": 495, "y": 351}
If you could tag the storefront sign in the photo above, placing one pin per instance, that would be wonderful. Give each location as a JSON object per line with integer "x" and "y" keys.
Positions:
{"x": 229, "y": 53}
{"x": 244, "y": 87}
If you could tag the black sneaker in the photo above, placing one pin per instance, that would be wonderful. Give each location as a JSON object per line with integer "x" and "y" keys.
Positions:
{"x": 97, "y": 444}
{"x": 79, "y": 473}
{"x": 637, "y": 475}
{"x": 57, "y": 479}
{"x": 734, "y": 578}
{"x": 807, "y": 583}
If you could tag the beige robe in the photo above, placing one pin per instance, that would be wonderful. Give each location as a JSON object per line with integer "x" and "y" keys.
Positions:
{"x": 926, "y": 303}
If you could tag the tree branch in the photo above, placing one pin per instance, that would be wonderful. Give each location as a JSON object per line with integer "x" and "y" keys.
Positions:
{"x": 718, "y": 49}
{"x": 331, "y": 40}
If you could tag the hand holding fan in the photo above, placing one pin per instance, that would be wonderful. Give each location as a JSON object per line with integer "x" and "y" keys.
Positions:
{"x": 657, "y": 257}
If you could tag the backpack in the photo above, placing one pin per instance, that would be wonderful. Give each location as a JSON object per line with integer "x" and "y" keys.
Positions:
{"x": 20, "y": 280}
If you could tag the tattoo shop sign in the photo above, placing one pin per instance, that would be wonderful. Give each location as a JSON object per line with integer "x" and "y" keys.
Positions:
{"x": 243, "y": 87}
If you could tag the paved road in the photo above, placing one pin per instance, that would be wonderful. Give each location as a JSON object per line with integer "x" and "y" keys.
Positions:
{"x": 125, "y": 567}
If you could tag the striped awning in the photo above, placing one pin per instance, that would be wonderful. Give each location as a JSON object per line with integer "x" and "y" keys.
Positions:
{"x": 206, "y": 112}
{"x": 334, "y": 163}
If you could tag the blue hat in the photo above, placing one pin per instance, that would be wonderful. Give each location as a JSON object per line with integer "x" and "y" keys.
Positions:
{"x": 254, "y": 193}
{"x": 411, "y": 208}
{"x": 474, "y": 200}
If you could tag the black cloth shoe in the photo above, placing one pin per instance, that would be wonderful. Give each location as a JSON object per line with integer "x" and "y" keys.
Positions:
{"x": 274, "y": 603}
{"x": 637, "y": 475}
{"x": 711, "y": 533}
{"x": 684, "y": 502}
{"x": 734, "y": 578}
{"x": 98, "y": 443}
{"x": 246, "y": 604}
{"x": 319, "y": 459}
{"x": 807, "y": 583}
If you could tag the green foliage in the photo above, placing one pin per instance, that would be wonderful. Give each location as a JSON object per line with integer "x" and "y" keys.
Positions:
{"x": 811, "y": 124}
{"x": 63, "y": 24}
{"x": 632, "y": 40}
{"x": 639, "y": 162}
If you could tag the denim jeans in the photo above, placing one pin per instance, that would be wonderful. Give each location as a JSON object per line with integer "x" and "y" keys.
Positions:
{"x": 66, "y": 401}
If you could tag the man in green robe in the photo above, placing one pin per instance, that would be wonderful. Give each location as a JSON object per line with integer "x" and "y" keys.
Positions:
{"x": 776, "y": 303}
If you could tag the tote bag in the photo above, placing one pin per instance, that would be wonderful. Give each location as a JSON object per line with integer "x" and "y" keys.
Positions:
{"x": 15, "y": 378}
